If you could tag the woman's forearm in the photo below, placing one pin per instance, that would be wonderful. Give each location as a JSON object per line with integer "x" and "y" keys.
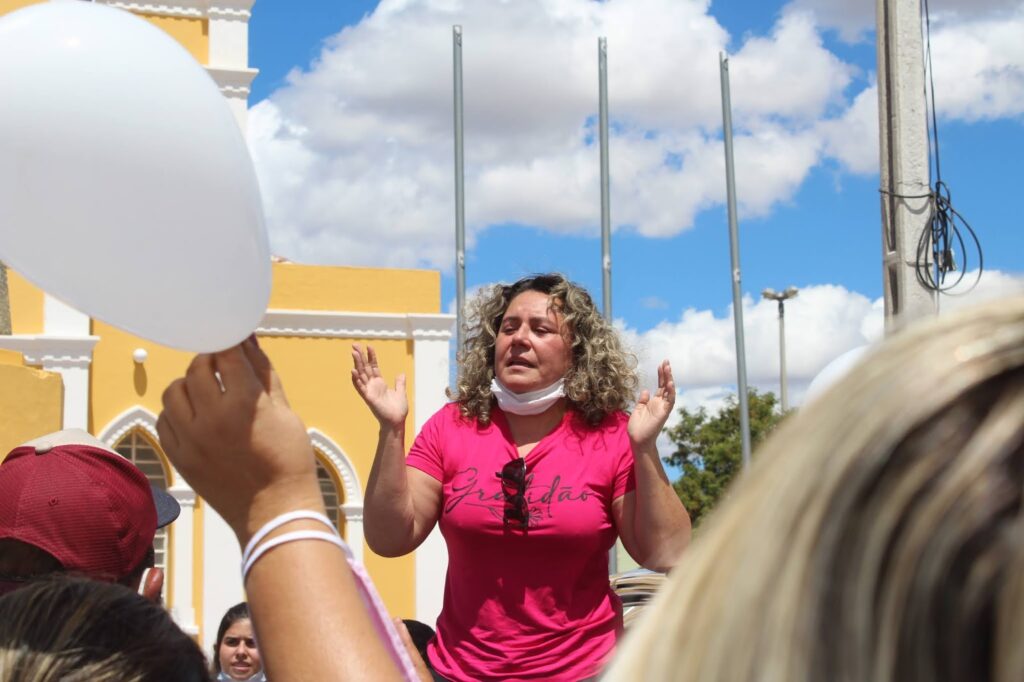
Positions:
{"x": 390, "y": 518}
{"x": 661, "y": 524}
{"x": 312, "y": 624}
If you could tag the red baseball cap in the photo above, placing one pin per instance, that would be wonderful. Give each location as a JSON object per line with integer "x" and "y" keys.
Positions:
{"x": 90, "y": 508}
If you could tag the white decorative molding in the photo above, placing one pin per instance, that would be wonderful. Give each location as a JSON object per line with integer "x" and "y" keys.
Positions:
{"x": 348, "y": 325}
{"x": 52, "y": 352}
{"x": 140, "y": 418}
{"x": 342, "y": 466}
{"x": 191, "y": 9}
{"x": 239, "y": 10}
{"x": 134, "y": 418}
{"x": 353, "y": 512}
{"x": 183, "y": 530}
{"x": 435, "y": 326}
{"x": 229, "y": 14}
{"x": 352, "y": 508}
{"x": 181, "y": 492}
{"x": 232, "y": 82}
{"x": 230, "y": 5}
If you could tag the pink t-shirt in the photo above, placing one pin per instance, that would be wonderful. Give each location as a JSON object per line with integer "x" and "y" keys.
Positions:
{"x": 533, "y": 605}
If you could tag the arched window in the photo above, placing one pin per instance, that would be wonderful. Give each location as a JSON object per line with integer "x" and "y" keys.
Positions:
{"x": 143, "y": 453}
{"x": 333, "y": 494}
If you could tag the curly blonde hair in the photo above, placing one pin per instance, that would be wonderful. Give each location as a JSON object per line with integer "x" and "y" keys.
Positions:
{"x": 602, "y": 378}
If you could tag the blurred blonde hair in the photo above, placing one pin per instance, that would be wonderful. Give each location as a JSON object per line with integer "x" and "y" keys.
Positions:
{"x": 602, "y": 379}
{"x": 878, "y": 536}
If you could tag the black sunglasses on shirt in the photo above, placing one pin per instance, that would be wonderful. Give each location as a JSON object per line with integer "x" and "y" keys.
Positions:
{"x": 513, "y": 487}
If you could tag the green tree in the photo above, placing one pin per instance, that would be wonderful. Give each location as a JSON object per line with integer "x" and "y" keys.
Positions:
{"x": 709, "y": 451}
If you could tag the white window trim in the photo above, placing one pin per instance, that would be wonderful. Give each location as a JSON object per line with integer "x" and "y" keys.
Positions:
{"x": 352, "y": 508}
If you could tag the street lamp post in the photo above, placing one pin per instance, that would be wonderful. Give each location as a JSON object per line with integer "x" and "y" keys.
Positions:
{"x": 772, "y": 295}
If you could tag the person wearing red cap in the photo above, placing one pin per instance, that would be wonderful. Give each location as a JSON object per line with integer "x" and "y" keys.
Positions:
{"x": 68, "y": 503}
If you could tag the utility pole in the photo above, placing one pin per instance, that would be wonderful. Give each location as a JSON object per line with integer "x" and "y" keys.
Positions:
{"x": 772, "y": 295}
{"x": 905, "y": 179}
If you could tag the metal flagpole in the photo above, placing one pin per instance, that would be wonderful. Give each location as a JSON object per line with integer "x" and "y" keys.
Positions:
{"x": 606, "y": 230}
{"x": 460, "y": 197}
{"x": 734, "y": 251}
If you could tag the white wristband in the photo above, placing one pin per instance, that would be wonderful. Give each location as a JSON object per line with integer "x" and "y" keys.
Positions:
{"x": 278, "y": 521}
{"x": 291, "y": 537}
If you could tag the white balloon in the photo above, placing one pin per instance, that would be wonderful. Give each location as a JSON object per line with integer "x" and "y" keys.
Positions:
{"x": 834, "y": 371}
{"x": 126, "y": 188}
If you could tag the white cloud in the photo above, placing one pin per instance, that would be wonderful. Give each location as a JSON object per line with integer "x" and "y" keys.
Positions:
{"x": 977, "y": 53}
{"x": 789, "y": 73}
{"x": 852, "y": 138}
{"x": 979, "y": 66}
{"x": 851, "y": 19}
{"x": 992, "y": 285}
{"x": 355, "y": 154}
{"x": 653, "y": 303}
{"x": 822, "y": 322}
{"x": 854, "y": 20}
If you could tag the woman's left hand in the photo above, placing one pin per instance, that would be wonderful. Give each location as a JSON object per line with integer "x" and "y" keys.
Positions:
{"x": 651, "y": 412}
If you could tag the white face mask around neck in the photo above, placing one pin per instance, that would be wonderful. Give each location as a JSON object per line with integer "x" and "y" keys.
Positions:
{"x": 524, "y": 404}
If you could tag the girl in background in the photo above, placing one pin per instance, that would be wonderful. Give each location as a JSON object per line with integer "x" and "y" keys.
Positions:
{"x": 235, "y": 654}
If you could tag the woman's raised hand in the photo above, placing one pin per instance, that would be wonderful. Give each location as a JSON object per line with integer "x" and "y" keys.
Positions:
{"x": 389, "y": 405}
{"x": 651, "y": 412}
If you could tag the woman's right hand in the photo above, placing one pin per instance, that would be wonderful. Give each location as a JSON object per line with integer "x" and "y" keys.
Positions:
{"x": 389, "y": 405}
{"x": 228, "y": 429}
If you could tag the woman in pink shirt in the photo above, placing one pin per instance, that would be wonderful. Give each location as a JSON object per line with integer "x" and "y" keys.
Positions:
{"x": 531, "y": 473}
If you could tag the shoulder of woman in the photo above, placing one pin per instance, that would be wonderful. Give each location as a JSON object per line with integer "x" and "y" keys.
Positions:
{"x": 613, "y": 422}
{"x": 450, "y": 416}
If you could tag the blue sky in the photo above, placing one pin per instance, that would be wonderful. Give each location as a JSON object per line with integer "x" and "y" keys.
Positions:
{"x": 350, "y": 127}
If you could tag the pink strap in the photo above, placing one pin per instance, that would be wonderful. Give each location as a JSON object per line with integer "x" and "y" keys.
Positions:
{"x": 381, "y": 620}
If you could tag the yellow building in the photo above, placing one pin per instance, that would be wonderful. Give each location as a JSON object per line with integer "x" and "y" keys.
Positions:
{"x": 112, "y": 381}
{"x": 31, "y": 401}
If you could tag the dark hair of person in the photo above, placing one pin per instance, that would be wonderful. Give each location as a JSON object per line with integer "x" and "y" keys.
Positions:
{"x": 72, "y": 628}
{"x": 25, "y": 563}
{"x": 602, "y": 378}
{"x": 239, "y": 611}
{"x": 421, "y": 634}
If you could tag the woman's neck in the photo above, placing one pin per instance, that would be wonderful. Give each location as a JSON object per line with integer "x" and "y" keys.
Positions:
{"x": 528, "y": 430}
